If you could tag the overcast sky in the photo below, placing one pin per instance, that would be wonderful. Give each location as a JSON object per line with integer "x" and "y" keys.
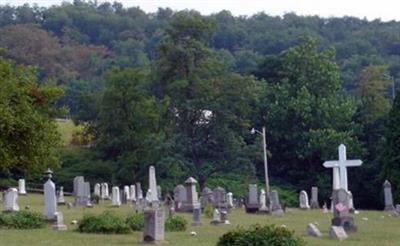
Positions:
{"x": 371, "y": 9}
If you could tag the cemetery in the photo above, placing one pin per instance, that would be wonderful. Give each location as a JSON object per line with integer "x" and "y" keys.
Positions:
{"x": 127, "y": 126}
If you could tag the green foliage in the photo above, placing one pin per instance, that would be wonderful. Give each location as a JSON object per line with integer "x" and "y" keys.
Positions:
{"x": 208, "y": 210}
{"x": 135, "y": 221}
{"x": 82, "y": 161}
{"x": 105, "y": 223}
{"x": 28, "y": 133}
{"x": 22, "y": 220}
{"x": 303, "y": 97}
{"x": 390, "y": 151}
{"x": 175, "y": 223}
{"x": 373, "y": 91}
{"x": 287, "y": 196}
{"x": 209, "y": 106}
{"x": 260, "y": 235}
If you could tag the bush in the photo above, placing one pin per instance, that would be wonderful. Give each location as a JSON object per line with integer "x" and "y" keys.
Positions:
{"x": 268, "y": 235}
{"x": 135, "y": 222}
{"x": 22, "y": 220}
{"x": 106, "y": 223}
{"x": 208, "y": 210}
{"x": 175, "y": 223}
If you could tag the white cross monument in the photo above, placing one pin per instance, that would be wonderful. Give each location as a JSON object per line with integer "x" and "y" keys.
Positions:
{"x": 340, "y": 168}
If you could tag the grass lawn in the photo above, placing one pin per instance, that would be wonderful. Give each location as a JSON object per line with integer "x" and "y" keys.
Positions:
{"x": 66, "y": 128}
{"x": 379, "y": 230}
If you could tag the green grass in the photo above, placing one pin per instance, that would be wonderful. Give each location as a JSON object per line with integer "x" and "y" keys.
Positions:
{"x": 66, "y": 128}
{"x": 376, "y": 231}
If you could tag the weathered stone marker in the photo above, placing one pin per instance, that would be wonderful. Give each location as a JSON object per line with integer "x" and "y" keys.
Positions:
{"x": 341, "y": 217}
{"x": 387, "y": 192}
{"x": 312, "y": 230}
{"x": 196, "y": 215}
{"x": 153, "y": 225}
{"x": 10, "y": 200}
{"x": 21, "y": 187}
{"x": 337, "y": 233}
{"x": 252, "y": 204}
{"x": 60, "y": 199}
{"x": 59, "y": 223}
{"x": 303, "y": 198}
{"x": 50, "y": 201}
{"x": 275, "y": 206}
{"x": 314, "y": 198}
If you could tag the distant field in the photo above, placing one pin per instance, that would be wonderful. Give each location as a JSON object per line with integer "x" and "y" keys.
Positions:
{"x": 66, "y": 128}
{"x": 379, "y": 230}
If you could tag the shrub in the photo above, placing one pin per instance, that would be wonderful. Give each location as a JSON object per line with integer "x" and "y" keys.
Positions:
{"x": 22, "y": 220}
{"x": 175, "y": 223}
{"x": 268, "y": 235}
{"x": 208, "y": 210}
{"x": 106, "y": 223}
{"x": 135, "y": 222}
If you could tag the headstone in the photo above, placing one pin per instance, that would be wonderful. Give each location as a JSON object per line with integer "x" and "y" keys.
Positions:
{"x": 341, "y": 217}
{"x": 81, "y": 191}
{"x": 325, "y": 209}
{"x": 196, "y": 216}
{"x": 59, "y": 223}
{"x": 252, "y": 204}
{"x": 152, "y": 185}
{"x": 191, "y": 195}
{"x": 139, "y": 192}
{"x": 337, "y": 233}
{"x": 312, "y": 230}
{"x": 133, "y": 192}
{"x": 314, "y": 198}
{"x": 153, "y": 225}
{"x": 87, "y": 195}
{"x": 115, "y": 200}
{"x": 398, "y": 208}
{"x": 21, "y": 187}
{"x": 206, "y": 197}
{"x": 216, "y": 217}
{"x": 351, "y": 203}
{"x": 10, "y": 200}
{"x": 97, "y": 190}
{"x": 229, "y": 199}
{"x": 104, "y": 192}
{"x": 127, "y": 193}
{"x": 263, "y": 202}
{"x": 387, "y": 192}
{"x": 340, "y": 168}
{"x": 303, "y": 197}
{"x": 224, "y": 218}
{"x": 179, "y": 197}
{"x": 50, "y": 201}
{"x": 275, "y": 206}
{"x": 60, "y": 199}
{"x": 122, "y": 196}
{"x": 219, "y": 195}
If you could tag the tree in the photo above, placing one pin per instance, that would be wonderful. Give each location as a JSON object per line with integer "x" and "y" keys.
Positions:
{"x": 129, "y": 124}
{"x": 306, "y": 114}
{"x": 390, "y": 153}
{"x": 28, "y": 132}
{"x": 373, "y": 90}
{"x": 209, "y": 105}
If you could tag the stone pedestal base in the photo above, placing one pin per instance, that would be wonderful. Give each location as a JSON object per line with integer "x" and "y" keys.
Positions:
{"x": 251, "y": 208}
{"x": 346, "y": 222}
{"x": 59, "y": 227}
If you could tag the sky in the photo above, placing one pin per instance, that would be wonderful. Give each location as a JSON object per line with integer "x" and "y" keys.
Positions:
{"x": 385, "y": 10}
